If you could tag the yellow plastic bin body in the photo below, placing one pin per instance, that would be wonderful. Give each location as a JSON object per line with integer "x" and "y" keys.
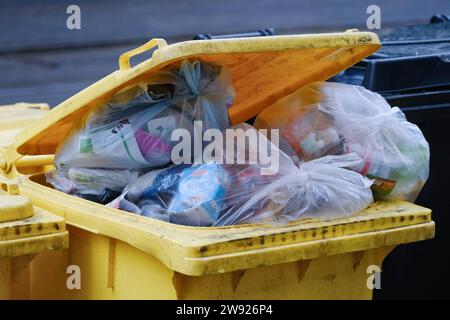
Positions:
{"x": 119, "y": 255}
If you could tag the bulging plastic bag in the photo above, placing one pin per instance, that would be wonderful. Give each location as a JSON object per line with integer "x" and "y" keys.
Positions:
{"x": 133, "y": 130}
{"x": 331, "y": 119}
{"x": 236, "y": 192}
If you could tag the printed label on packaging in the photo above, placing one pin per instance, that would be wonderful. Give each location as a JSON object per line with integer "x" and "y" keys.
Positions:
{"x": 118, "y": 141}
{"x": 162, "y": 127}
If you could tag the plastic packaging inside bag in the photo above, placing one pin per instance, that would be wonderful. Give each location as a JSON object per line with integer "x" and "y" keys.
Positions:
{"x": 326, "y": 118}
{"x": 235, "y": 192}
{"x": 98, "y": 185}
{"x": 133, "y": 130}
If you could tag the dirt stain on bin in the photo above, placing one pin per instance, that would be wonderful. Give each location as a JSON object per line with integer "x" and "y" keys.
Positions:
{"x": 357, "y": 258}
{"x": 302, "y": 267}
{"x": 236, "y": 277}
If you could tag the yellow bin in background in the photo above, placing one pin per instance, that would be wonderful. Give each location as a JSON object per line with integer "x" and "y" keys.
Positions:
{"x": 119, "y": 255}
{"x": 25, "y": 231}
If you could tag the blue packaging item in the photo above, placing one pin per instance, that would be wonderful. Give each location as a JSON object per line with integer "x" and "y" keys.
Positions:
{"x": 203, "y": 186}
{"x": 186, "y": 192}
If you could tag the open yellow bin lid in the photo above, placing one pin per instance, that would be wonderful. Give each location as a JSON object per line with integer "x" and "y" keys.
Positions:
{"x": 263, "y": 69}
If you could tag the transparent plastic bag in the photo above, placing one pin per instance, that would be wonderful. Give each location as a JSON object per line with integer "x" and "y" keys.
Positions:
{"x": 181, "y": 194}
{"x": 98, "y": 185}
{"x": 133, "y": 129}
{"x": 326, "y": 118}
{"x": 233, "y": 192}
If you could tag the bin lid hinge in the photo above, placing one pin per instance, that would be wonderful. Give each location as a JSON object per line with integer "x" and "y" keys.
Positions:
{"x": 8, "y": 159}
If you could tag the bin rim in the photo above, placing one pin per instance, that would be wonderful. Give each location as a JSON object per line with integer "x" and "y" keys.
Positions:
{"x": 199, "y": 251}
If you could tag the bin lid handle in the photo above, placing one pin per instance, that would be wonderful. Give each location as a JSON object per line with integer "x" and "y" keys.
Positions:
{"x": 124, "y": 59}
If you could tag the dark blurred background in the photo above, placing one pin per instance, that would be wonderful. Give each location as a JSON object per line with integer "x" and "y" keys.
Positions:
{"x": 41, "y": 60}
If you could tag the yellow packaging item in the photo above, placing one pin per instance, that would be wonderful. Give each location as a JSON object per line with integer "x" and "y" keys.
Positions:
{"x": 119, "y": 255}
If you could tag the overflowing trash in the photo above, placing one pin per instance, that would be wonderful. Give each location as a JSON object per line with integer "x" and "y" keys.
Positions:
{"x": 340, "y": 147}
{"x": 326, "y": 118}
{"x": 228, "y": 194}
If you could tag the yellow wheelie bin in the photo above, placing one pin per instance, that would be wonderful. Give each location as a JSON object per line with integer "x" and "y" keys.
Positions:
{"x": 119, "y": 255}
{"x": 25, "y": 231}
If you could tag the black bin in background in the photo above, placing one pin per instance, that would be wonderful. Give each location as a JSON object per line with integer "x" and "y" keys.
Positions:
{"x": 412, "y": 71}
